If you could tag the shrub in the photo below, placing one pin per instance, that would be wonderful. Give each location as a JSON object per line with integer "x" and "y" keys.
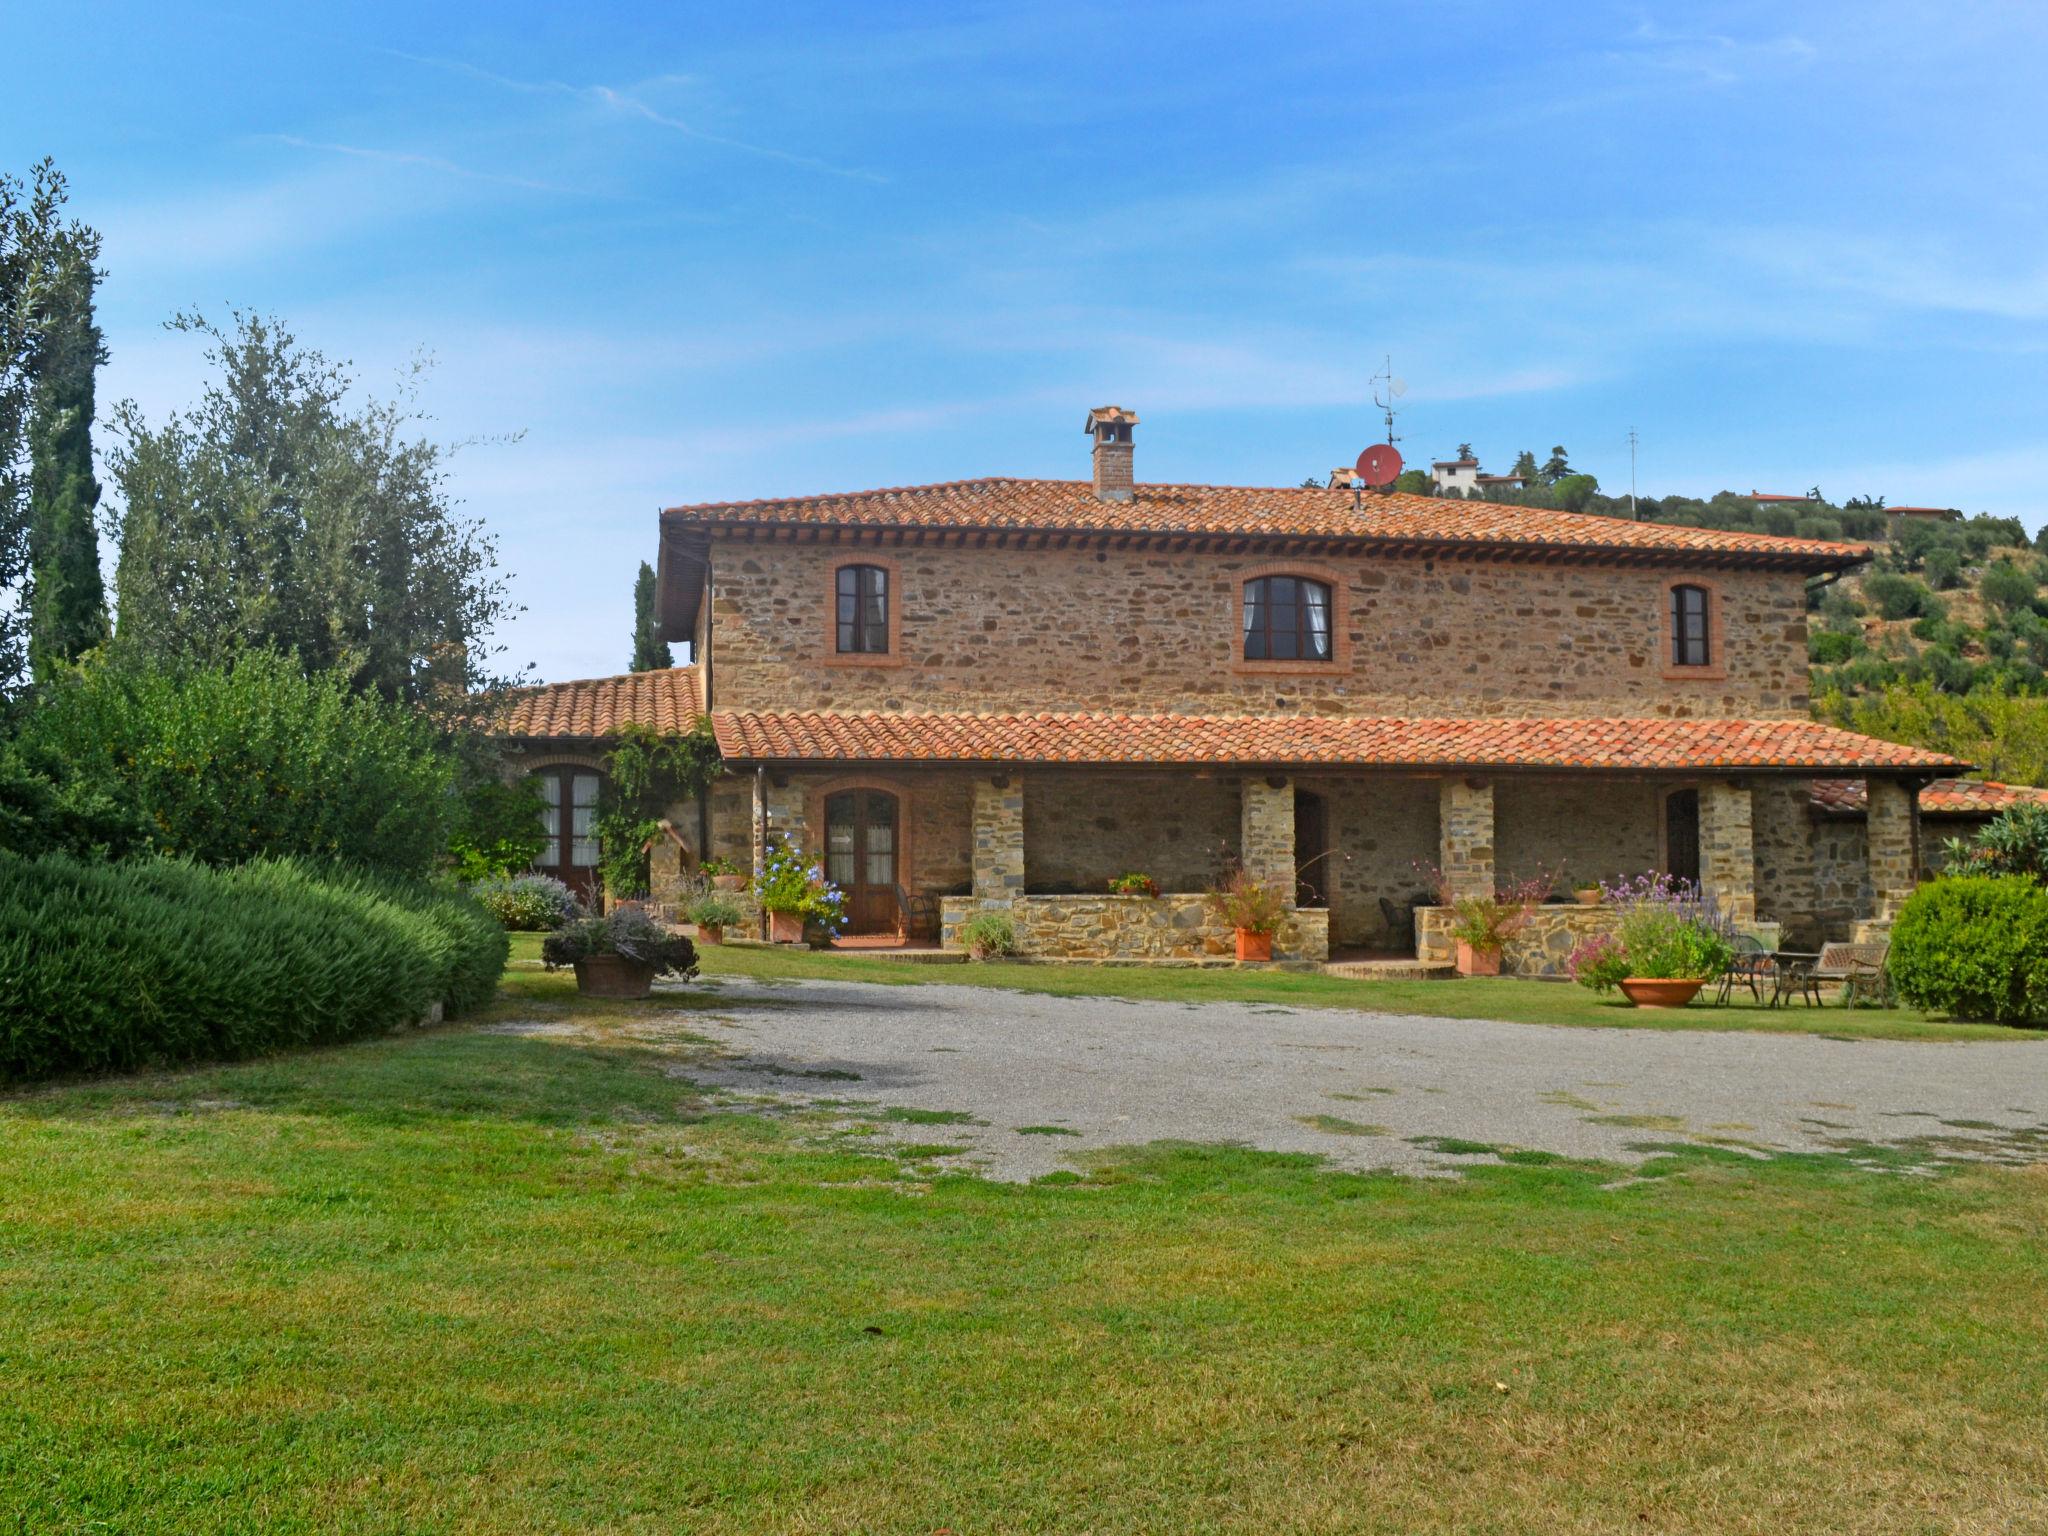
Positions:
{"x": 527, "y": 903}
{"x": 2007, "y": 585}
{"x": 112, "y": 967}
{"x": 1830, "y": 647}
{"x": 253, "y": 758}
{"x": 1248, "y": 904}
{"x": 989, "y": 934}
{"x": 627, "y": 932}
{"x": 715, "y": 909}
{"x": 1900, "y": 597}
{"x": 2013, "y": 843}
{"x": 1975, "y": 947}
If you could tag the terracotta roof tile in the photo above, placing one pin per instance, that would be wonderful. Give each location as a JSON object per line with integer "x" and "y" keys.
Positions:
{"x": 1282, "y": 512}
{"x": 1943, "y": 797}
{"x": 594, "y": 708}
{"x": 1656, "y": 744}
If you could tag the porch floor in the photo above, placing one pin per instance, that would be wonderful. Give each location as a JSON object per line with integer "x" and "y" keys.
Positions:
{"x": 1385, "y": 965}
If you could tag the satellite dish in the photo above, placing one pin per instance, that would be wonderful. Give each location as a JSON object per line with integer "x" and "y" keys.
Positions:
{"x": 1380, "y": 465}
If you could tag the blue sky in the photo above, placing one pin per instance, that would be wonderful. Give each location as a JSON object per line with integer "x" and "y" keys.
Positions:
{"x": 710, "y": 251}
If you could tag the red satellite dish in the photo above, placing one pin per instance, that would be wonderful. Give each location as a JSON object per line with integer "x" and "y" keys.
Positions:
{"x": 1380, "y": 465}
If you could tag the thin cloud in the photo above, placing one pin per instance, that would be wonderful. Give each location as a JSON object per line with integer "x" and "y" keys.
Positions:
{"x": 422, "y": 162}
{"x": 627, "y": 104}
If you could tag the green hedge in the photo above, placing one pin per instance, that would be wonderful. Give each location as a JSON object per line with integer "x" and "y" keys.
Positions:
{"x": 1975, "y": 948}
{"x": 110, "y": 967}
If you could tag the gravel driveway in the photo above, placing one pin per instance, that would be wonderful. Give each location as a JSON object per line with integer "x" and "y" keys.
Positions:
{"x": 1045, "y": 1078}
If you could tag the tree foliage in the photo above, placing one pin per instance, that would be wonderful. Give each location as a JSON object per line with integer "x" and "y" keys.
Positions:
{"x": 66, "y": 599}
{"x": 650, "y": 652}
{"x": 247, "y": 758}
{"x": 35, "y": 243}
{"x": 2004, "y": 734}
{"x": 279, "y": 515}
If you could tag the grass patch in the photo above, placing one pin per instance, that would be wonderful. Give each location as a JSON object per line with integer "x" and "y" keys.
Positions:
{"x": 929, "y": 1116}
{"x": 1340, "y": 1127}
{"x": 1644, "y": 1122}
{"x": 1510, "y": 999}
{"x": 1046, "y": 1130}
{"x": 464, "y": 1281}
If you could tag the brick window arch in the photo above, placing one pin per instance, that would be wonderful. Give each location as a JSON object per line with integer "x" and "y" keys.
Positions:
{"x": 864, "y": 613}
{"x": 1693, "y": 642}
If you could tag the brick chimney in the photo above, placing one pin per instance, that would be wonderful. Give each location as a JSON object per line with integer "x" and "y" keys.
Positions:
{"x": 1110, "y": 426}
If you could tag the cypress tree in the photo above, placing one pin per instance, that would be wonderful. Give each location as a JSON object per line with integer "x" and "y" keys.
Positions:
{"x": 649, "y": 654}
{"x": 67, "y": 600}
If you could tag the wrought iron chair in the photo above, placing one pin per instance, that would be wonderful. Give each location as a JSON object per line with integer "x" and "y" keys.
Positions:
{"x": 1750, "y": 967}
{"x": 918, "y": 914}
{"x": 1400, "y": 921}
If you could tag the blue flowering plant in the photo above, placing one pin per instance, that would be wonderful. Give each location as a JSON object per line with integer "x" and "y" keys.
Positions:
{"x": 792, "y": 884}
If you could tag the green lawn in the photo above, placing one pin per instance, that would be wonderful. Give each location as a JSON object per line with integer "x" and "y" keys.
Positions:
{"x": 1517, "y": 1001}
{"x": 460, "y": 1281}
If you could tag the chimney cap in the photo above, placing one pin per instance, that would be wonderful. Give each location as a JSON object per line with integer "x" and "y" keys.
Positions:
{"x": 1105, "y": 414}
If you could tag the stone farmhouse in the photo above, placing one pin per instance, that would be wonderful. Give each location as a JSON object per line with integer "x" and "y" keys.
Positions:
{"x": 999, "y": 694}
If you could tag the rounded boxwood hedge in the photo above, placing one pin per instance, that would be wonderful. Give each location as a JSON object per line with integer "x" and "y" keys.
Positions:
{"x": 1975, "y": 947}
{"x": 110, "y": 967}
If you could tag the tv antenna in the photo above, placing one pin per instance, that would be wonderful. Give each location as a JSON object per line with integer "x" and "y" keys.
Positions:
{"x": 1386, "y": 390}
{"x": 1631, "y": 474}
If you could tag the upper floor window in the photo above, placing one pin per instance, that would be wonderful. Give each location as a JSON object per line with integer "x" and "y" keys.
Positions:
{"x": 863, "y": 610}
{"x": 1286, "y": 618}
{"x": 1691, "y": 642}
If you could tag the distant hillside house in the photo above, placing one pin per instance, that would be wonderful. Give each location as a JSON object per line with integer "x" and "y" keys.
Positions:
{"x": 1462, "y": 475}
{"x": 1775, "y": 499}
{"x": 1927, "y": 514}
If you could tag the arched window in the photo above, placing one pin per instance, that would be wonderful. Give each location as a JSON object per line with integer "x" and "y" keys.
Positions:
{"x": 1286, "y": 618}
{"x": 863, "y": 614}
{"x": 1690, "y": 630}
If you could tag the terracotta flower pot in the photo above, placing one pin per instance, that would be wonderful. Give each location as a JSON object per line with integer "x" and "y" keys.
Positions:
{"x": 1477, "y": 962}
{"x": 1659, "y": 991}
{"x": 1588, "y": 898}
{"x": 786, "y": 927}
{"x": 711, "y": 933}
{"x": 729, "y": 882}
{"x": 1254, "y": 946}
{"x": 613, "y": 976}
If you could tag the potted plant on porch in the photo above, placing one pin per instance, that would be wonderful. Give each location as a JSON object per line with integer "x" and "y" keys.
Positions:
{"x": 618, "y": 955}
{"x": 1253, "y": 908}
{"x": 713, "y": 913}
{"x": 723, "y": 874}
{"x": 802, "y": 905}
{"x": 1482, "y": 926}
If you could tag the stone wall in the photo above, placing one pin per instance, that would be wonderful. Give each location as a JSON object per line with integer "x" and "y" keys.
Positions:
{"x": 1080, "y": 829}
{"x": 1541, "y": 948}
{"x": 1381, "y": 829}
{"x": 1579, "y": 829}
{"x": 988, "y": 629}
{"x": 1170, "y": 927}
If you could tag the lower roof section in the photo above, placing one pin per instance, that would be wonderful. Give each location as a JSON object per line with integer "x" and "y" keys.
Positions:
{"x": 1641, "y": 745}
{"x": 597, "y": 708}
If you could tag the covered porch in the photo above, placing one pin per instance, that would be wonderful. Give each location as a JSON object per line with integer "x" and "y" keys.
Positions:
{"x": 927, "y": 816}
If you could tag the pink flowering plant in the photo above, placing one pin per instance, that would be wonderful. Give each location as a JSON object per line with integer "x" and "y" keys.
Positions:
{"x": 1599, "y": 963}
{"x": 1486, "y": 923}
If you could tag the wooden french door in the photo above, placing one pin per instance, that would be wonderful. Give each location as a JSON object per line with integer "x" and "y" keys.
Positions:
{"x": 861, "y": 843}
{"x": 568, "y": 816}
{"x": 1682, "y": 834}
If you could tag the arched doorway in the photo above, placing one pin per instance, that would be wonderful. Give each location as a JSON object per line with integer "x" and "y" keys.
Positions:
{"x": 568, "y": 816}
{"x": 861, "y": 845}
{"x": 1682, "y": 834}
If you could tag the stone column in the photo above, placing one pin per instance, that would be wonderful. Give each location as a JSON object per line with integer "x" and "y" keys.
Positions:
{"x": 1464, "y": 821}
{"x": 998, "y": 841}
{"x": 1266, "y": 833}
{"x": 1893, "y": 830}
{"x": 1728, "y": 852}
{"x": 779, "y": 817}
